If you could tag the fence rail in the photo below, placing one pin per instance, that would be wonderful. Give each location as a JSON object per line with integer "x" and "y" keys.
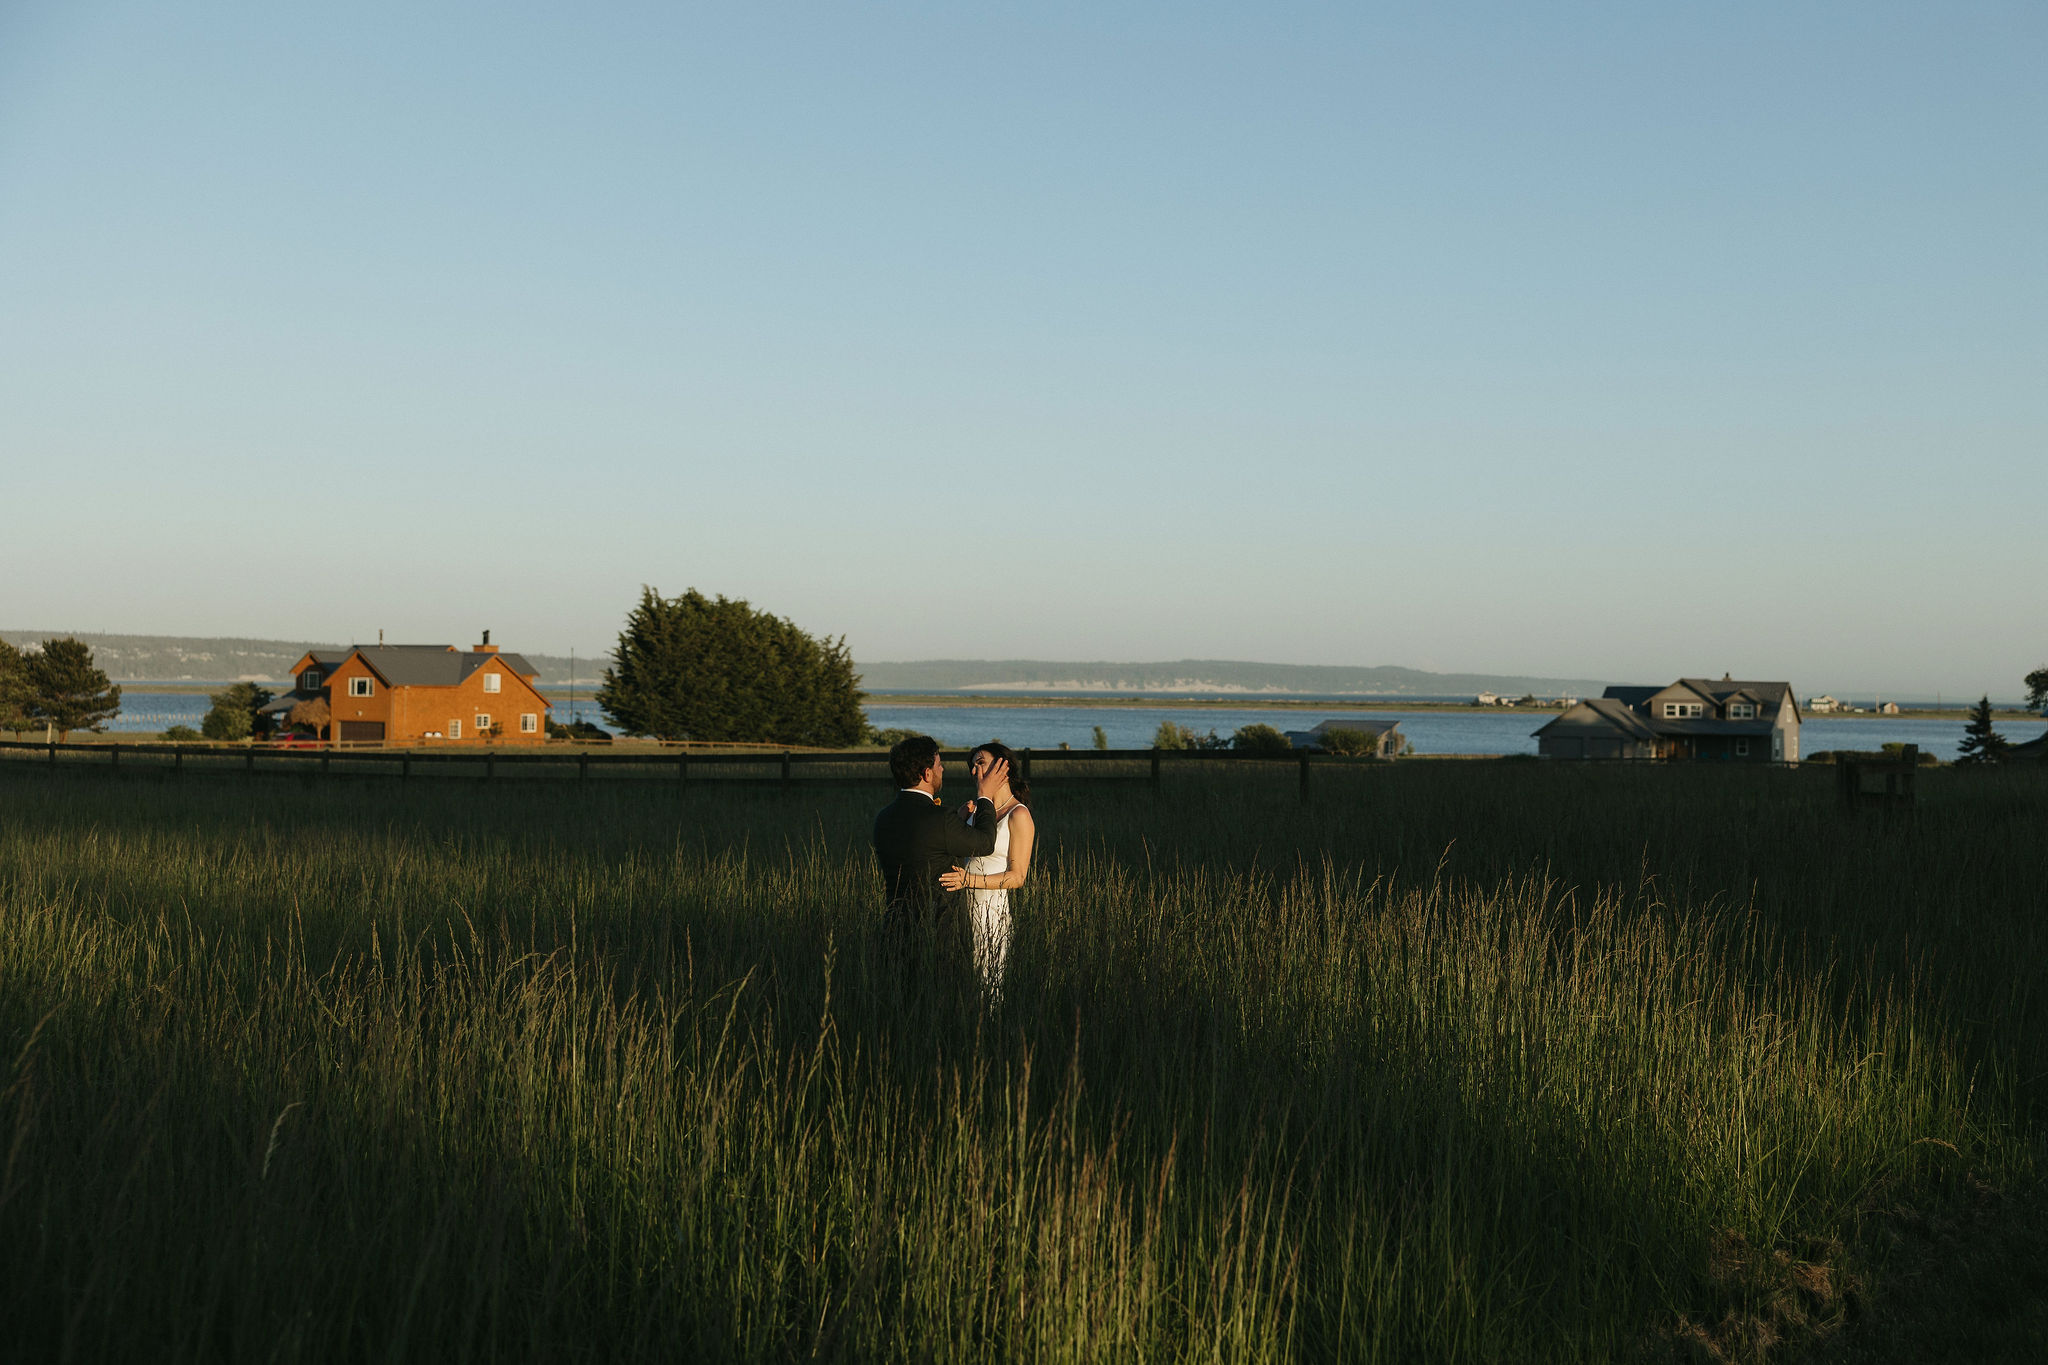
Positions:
{"x": 789, "y": 767}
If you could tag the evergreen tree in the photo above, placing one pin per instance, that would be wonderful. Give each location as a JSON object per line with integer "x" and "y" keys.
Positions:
{"x": 236, "y": 713}
{"x": 2037, "y": 689}
{"x": 696, "y": 667}
{"x": 14, "y": 690}
{"x": 1981, "y": 743}
{"x": 66, "y": 691}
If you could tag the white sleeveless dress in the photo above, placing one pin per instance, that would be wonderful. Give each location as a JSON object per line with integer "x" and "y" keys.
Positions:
{"x": 989, "y": 911}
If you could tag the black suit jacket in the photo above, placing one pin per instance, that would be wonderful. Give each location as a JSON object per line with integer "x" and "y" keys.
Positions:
{"x": 916, "y": 840}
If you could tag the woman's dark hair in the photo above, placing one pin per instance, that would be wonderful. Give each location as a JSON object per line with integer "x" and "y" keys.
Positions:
{"x": 1020, "y": 785}
{"x": 910, "y": 759}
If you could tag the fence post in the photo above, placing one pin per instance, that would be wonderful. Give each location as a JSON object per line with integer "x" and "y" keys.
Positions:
{"x": 1847, "y": 780}
{"x": 178, "y": 759}
{"x": 1155, "y": 767}
{"x": 785, "y": 769}
{"x": 114, "y": 754}
{"x": 583, "y": 766}
{"x": 1304, "y": 777}
{"x": 324, "y": 756}
{"x": 249, "y": 762}
{"x": 1026, "y": 757}
{"x": 490, "y": 766}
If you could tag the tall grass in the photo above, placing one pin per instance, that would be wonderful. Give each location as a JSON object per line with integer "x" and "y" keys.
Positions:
{"x": 1457, "y": 1062}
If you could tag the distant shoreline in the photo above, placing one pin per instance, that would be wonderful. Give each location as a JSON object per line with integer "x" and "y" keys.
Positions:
{"x": 1128, "y": 701}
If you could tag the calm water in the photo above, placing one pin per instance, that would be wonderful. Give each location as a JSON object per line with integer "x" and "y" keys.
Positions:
{"x": 1132, "y": 727}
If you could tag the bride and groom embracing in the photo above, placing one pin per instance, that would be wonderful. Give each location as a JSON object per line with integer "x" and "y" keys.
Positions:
{"x": 928, "y": 854}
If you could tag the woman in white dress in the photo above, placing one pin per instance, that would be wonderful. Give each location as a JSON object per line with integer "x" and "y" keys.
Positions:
{"x": 990, "y": 879}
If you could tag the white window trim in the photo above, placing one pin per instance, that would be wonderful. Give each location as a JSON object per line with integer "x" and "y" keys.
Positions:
{"x": 483, "y": 721}
{"x": 361, "y": 687}
{"x": 455, "y": 729}
{"x": 490, "y": 682}
{"x": 1742, "y": 710}
{"x": 529, "y": 723}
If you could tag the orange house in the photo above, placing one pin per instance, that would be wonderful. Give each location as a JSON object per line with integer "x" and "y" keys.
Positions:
{"x": 421, "y": 694}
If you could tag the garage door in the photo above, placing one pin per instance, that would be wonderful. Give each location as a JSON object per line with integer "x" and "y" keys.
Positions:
{"x": 362, "y": 732}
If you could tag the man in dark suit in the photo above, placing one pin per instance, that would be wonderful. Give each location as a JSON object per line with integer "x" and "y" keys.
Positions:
{"x": 916, "y": 839}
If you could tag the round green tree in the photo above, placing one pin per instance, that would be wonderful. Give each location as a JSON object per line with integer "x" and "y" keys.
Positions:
{"x": 714, "y": 668}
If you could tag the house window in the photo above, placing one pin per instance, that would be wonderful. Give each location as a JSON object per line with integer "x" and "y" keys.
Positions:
{"x": 529, "y": 724}
{"x": 483, "y": 722}
{"x": 309, "y": 681}
{"x": 455, "y": 729}
{"x": 1742, "y": 748}
{"x": 1741, "y": 710}
{"x": 359, "y": 687}
{"x": 490, "y": 682}
{"x": 1681, "y": 710}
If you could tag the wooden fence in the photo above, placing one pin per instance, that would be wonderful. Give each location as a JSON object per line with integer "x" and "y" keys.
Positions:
{"x": 788, "y": 768}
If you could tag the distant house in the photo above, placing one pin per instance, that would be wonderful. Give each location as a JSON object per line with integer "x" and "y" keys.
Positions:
{"x": 1822, "y": 704}
{"x": 409, "y": 694}
{"x": 1488, "y": 699}
{"x": 1392, "y": 742}
{"x": 1693, "y": 718}
{"x": 1890, "y": 708}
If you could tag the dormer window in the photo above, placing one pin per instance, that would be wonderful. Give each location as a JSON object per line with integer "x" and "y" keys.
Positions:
{"x": 309, "y": 681}
{"x": 359, "y": 687}
{"x": 490, "y": 682}
{"x": 1742, "y": 710}
{"x": 1683, "y": 710}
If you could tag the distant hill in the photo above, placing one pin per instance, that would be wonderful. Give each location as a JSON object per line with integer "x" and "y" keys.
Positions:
{"x": 1204, "y": 675}
{"x": 179, "y": 658}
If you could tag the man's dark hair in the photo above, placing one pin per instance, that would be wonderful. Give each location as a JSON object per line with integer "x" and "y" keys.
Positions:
{"x": 911, "y": 759}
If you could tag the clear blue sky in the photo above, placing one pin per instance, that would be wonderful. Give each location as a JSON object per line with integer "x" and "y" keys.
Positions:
{"x": 1611, "y": 341}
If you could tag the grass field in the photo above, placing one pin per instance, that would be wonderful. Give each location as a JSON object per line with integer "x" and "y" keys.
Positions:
{"x": 1488, "y": 1061}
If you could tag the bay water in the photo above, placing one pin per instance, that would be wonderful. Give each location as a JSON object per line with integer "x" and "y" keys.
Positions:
{"x": 1449, "y": 731}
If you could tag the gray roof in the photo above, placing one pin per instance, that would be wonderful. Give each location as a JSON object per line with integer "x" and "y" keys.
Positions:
{"x": 1604, "y": 713}
{"x": 1712, "y": 727}
{"x": 1630, "y": 696}
{"x": 432, "y": 665}
{"x": 1371, "y": 727}
{"x": 1769, "y": 693}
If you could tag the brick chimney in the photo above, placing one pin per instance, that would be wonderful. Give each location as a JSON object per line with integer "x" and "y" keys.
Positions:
{"x": 486, "y": 647}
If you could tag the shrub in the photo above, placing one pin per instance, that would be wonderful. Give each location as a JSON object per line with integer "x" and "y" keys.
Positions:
{"x": 182, "y": 734}
{"x": 1263, "y": 740}
{"x": 1101, "y": 738}
{"x": 235, "y": 713}
{"x": 1351, "y": 743}
{"x": 888, "y": 739}
{"x": 1173, "y": 735}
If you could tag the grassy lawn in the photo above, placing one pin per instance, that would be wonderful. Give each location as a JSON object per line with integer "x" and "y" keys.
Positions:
{"x": 1459, "y": 1061}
